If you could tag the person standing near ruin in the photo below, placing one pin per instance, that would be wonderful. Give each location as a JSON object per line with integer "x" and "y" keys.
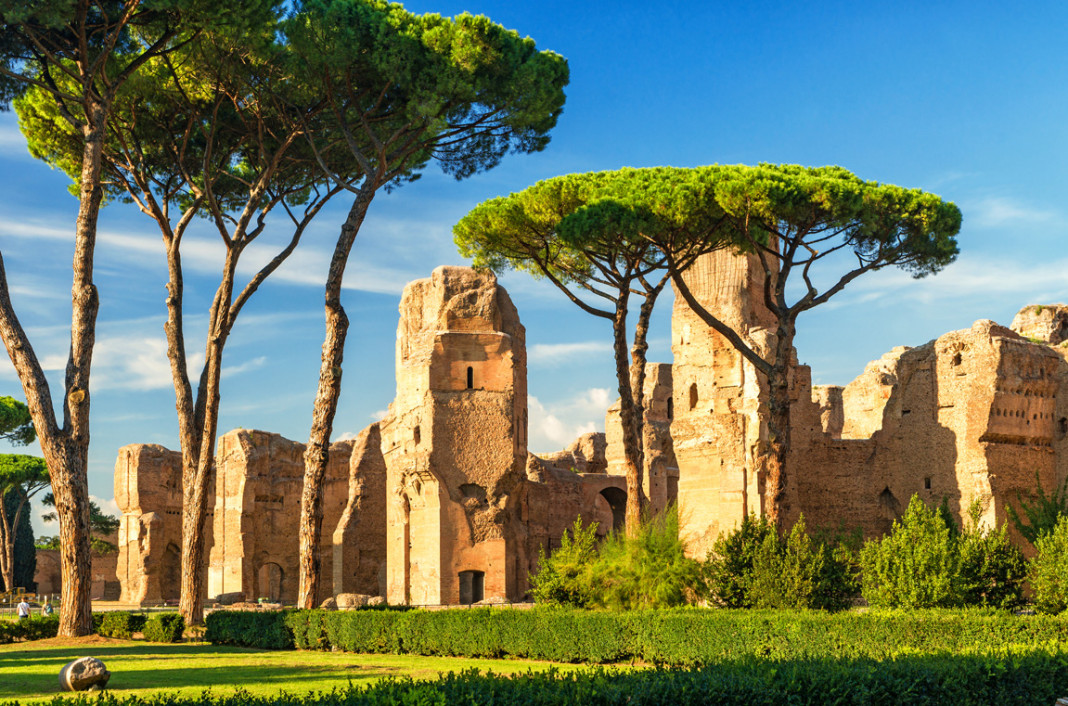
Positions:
{"x": 23, "y": 609}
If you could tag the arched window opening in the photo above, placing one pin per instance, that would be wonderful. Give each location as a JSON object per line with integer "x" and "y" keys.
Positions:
{"x": 670, "y": 408}
{"x": 470, "y": 378}
{"x": 617, "y": 500}
{"x": 693, "y": 395}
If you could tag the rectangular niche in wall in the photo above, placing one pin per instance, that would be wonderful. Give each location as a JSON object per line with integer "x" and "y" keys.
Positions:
{"x": 472, "y": 586}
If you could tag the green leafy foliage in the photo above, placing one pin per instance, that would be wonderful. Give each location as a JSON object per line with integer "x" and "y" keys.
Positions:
{"x": 679, "y": 636}
{"x": 915, "y": 566}
{"x": 800, "y": 572}
{"x": 729, "y": 565}
{"x": 33, "y": 628}
{"x": 647, "y": 569}
{"x": 565, "y": 577}
{"x": 1049, "y": 569}
{"x": 1042, "y": 513}
{"x": 121, "y": 624}
{"x": 927, "y": 562}
{"x": 100, "y": 525}
{"x": 266, "y": 630}
{"x": 16, "y": 427}
{"x": 164, "y": 627}
{"x": 24, "y": 550}
{"x": 991, "y": 568}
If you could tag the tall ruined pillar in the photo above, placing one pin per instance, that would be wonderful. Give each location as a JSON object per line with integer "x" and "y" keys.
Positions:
{"x": 719, "y": 420}
{"x": 455, "y": 443}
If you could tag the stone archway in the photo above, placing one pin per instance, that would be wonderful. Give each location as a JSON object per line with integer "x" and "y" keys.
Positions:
{"x": 269, "y": 582}
{"x": 617, "y": 500}
{"x": 170, "y": 575}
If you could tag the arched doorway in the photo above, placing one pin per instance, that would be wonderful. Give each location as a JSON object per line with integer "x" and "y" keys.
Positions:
{"x": 617, "y": 500}
{"x": 269, "y": 584}
{"x": 170, "y": 577}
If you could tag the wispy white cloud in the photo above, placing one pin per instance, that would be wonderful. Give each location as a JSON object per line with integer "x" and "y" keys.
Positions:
{"x": 1000, "y": 211}
{"x": 559, "y": 353}
{"x": 555, "y": 425}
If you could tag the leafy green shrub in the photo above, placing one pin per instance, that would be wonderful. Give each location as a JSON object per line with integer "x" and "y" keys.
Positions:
{"x": 915, "y": 566}
{"x": 121, "y": 624}
{"x": 649, "y": 569}
{"x": 991, "y": 568}
{"x": 646, "y": 570}
{"x": 565, "y": 577}
{"x": 729, "y": 566}
{"x": 33, "y": 628}
{"x": 1049, "y": 569}
{"x": 800, "y": 572}
{"x": 267, "y": 630}
{"x": 164, "y": 627}
{"x": 1043, "y": 512}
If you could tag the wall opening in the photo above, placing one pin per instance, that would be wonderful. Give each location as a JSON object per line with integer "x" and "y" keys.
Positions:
{"x": 617, "y": 500}
{"x": 693, "y": 395}
{"x": 1062, "y": 427}
{"x": 470, "y": 378}
{"x": 170, "y": 580}
{"x": 270, "y": 582}
{"x": 927, "y": 483}
{"x": 670, "y": 408}
{"x": 472, "y": 587}
{"x": 415, "y": 435}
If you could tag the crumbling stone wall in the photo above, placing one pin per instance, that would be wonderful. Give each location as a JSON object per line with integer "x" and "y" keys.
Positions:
{"x": 454, "y": 443}
{"x": 259, "y": 478}
{"x": 359, "y": 541}
{"x": 148, "y": 491}
{"x": 660, "y": 477}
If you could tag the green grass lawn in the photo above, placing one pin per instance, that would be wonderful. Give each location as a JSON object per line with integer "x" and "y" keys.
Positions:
{"x": 29, "y": 671}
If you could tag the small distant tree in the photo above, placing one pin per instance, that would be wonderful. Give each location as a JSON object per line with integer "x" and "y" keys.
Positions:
{"x": 102, "y": 526}
{"x": 826, "y": 227}
{"x": 729, "y": 564}
{"x": 1049, "y": 569}
{"x": 16, "y": 425}
{"x": 1042, "y": 513}
{"x": 403, "y": 90}
{"x": 21, "y": 477}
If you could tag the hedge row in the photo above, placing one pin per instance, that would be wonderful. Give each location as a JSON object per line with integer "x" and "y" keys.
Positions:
{"x": 158, "y": 627}
{"x": 680, "y": 637}
{"x": 1006, "y": 680}
{"x": 33, "y": 628}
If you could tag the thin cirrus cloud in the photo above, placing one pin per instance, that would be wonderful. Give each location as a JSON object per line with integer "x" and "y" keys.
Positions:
{"x": 550, "y": 354}
{"x": 1001, "y": 211}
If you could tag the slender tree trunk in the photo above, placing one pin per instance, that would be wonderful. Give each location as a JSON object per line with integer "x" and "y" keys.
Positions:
{"x": 7, "y": 546}
{"x": 638, "y": 356}
{"x": 198, "y": 468}
{"x": 775, "y": 495}
{"x": 326, "y": 397}
{"x": 628, "y": 418}
{"x": 66, "y": 450}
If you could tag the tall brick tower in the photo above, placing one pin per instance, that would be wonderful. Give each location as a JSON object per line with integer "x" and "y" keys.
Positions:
{"x": 455, "y": 443}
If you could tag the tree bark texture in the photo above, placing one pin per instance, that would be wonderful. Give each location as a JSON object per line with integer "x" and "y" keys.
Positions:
{"x": 66, "y": 449}
{"x": 628, "y": 418}
{"x": 317, "y": 453}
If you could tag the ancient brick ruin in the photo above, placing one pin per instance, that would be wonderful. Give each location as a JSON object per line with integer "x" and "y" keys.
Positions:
{"x": 441, "y": 502}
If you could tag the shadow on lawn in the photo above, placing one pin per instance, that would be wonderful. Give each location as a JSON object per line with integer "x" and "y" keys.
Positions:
{"x": 132, "y": 650}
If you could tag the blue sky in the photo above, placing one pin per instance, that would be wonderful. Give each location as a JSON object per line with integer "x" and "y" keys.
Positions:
{"x": 967, "y": 100}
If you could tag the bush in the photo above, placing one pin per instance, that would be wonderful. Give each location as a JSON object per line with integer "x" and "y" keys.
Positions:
{"x": 164, "y": 627}
{"x": 915, "y": 566}
{"x": 1042, "y": 513}
{"x": 1049, "y": 569}
{"x": 33, "y": 628}
{"x": 647, "y": 570}
{"x": 564, "y": 578}
{"x": 991, "y": 568}
{"x": 729, "y": 566}
{"x": 121, "y": 624}
{"x": 800, "y": 573}
{"x": 266, "y": 630}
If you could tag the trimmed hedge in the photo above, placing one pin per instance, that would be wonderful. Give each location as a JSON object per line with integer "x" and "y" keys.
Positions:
{"x": 121, "y": 624}
{"x": 1006, "y": 679}
{"x": 32, "y": 628}
{"x": 680, "y": 637}
{"x": 164, "y": 627}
